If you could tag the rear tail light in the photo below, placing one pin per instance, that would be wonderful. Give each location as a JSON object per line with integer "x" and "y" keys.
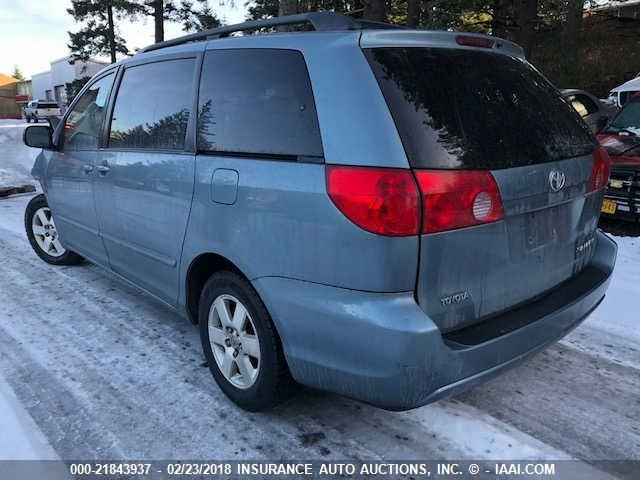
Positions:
{"x": 470, "y": 41}
{"x": 457, "y": 199}
{"x": 381, "y": 200}
{"x": 601, "y": 169}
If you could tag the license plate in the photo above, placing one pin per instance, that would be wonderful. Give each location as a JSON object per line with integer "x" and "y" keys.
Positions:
{"x": 609, "y": 206}
{"x": 616, "y": 183}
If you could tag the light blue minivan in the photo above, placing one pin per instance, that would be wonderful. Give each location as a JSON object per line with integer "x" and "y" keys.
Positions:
{"x": 390, "y": 214}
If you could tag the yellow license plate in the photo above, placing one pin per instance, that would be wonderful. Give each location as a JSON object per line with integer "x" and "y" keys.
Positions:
{"x": 609, "y": 206}
{"x": 616, "y": 183}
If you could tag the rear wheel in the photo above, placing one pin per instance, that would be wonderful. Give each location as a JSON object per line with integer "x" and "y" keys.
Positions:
{"x": 43, "y": 235}
{"x": 241, "y": 345}
{"x": 28, "y": 119}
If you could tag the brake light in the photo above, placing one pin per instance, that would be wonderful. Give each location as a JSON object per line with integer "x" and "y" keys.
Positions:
{"x": 601, "y": 169}
{"x": 470, "y": 41}
{"x": 457, "y": 199}
{"x": 380, "y": 200}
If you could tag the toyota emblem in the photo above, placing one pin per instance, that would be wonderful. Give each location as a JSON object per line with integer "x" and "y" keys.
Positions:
{"x": 556, "y": 180}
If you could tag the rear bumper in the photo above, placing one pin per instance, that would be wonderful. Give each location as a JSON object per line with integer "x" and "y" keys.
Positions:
{"x": 384, "y": 350}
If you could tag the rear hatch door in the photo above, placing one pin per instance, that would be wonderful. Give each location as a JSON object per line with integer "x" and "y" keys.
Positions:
{"x": 471, "y": 109}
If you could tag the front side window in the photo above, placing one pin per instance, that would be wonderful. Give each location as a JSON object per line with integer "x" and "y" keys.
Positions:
{"x": 257, "y": 101}
{"x": 84, "y": 122}
{"x": 153, "y": 105}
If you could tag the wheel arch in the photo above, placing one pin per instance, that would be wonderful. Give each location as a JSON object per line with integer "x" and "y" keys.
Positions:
{"x": 199, "y": 271}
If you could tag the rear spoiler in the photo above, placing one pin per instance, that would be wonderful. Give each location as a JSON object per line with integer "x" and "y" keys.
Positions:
{"x": 439, "y": 39}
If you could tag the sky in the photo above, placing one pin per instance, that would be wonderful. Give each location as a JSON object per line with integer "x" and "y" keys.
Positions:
{"x": 34, "y": 32}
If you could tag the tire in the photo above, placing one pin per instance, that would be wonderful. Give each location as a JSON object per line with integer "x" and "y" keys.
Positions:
{"x": 35, "y": 119}
{"x": 28, "y": 119}
{"x": 42, "y": 235}
{"x": 266, "y": 381}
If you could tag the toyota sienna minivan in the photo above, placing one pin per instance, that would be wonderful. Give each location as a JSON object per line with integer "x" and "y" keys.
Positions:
{"x": 392, "y": 215}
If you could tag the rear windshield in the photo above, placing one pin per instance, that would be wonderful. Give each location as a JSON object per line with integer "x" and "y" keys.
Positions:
{"x": 458, "y": 108}
{"x": 47, "y": 105}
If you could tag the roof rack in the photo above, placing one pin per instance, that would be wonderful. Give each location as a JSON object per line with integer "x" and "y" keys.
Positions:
{"x": 320, "y": 21}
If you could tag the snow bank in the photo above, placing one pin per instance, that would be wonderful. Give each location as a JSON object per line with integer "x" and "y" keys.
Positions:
{"x": 16, "y": 159}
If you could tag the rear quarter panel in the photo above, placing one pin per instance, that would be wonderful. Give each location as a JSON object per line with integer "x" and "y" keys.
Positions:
{"x": 283, "y": 223}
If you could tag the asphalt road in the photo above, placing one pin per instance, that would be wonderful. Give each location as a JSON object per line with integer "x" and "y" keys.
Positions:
{"x": 107, "y": 373}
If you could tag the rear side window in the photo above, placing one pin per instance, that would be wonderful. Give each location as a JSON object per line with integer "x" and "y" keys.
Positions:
{"x": 257, "y": 101}
{"x": 153, "y": 105}
{"x": 466, "y": 109}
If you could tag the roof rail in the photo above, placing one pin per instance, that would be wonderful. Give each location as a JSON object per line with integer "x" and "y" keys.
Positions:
{"x": 320, "y": 21}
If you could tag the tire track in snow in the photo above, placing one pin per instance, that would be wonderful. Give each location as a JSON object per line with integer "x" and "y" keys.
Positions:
{"x": 129, "y": 370}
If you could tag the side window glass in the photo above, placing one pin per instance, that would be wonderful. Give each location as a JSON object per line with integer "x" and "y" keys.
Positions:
{"x": 83, "y": 124}
{"x": 589, "y": 105}
{"x": 578, "y": 106}
{"x": 152, "y": 106}
{"x": 257, "y": 101}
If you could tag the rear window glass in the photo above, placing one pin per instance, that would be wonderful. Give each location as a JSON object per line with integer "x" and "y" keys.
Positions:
{"x": 47, "y": 105}
{"x": 257, "y": 101}
{"x": 458, "y": 108}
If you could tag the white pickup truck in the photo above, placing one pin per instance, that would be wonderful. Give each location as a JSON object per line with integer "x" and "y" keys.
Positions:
{"x": 37, "y": 109}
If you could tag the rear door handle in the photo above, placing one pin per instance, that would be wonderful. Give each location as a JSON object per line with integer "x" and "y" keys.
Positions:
{"x": 87, "y": 169}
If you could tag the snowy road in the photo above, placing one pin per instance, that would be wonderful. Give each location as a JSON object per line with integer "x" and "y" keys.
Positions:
{"x": 106, "y": 372}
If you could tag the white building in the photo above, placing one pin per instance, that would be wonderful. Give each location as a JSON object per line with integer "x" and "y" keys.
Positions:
{"x": 50, "y": 85}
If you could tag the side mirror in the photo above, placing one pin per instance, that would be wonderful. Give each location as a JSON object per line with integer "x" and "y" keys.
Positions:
{"x": 38, "y": 136}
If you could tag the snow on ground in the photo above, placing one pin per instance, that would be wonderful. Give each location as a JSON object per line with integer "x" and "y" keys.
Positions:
{"x": 21, "y": 438}
{"x": 105, "y": 372}
{"x": 16, "y": 159}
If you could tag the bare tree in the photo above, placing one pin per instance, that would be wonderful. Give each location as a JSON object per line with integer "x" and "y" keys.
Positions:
{"x": 287, "y": 7}
{"x": 375, "y": 10}
{"x": 502, "y": 13}
{"x": 413, "y": 12}
{"x": 526, "y": 13}
{"x": 571, "y": 30}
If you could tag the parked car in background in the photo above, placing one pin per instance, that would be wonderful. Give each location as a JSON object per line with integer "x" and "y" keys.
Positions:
{"x": 41, "y": 109}
{"x": 593, "y": 111}
{"x": 349, "y": 208}
{"x": 623, "y": 93}
{"x": 621, "y": 139}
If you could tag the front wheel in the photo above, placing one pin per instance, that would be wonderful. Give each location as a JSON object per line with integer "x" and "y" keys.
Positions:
{"x": 43, "y": 236}
{"x": 240, "y": 343}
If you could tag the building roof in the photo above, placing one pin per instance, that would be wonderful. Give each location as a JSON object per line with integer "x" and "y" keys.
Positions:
{"x": 7, "y": 80}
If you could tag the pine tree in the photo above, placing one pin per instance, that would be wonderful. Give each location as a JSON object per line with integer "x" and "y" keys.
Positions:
{"x": 100, "y": 34}
{"x": 195, "y": 15}
{"x": 196, "y": 18}
{"x": 17, "y": 73}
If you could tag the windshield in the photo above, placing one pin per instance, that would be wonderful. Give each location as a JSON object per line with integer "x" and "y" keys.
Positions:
{"x": 457, "y": 108}
{"x": 628, "y": 120}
